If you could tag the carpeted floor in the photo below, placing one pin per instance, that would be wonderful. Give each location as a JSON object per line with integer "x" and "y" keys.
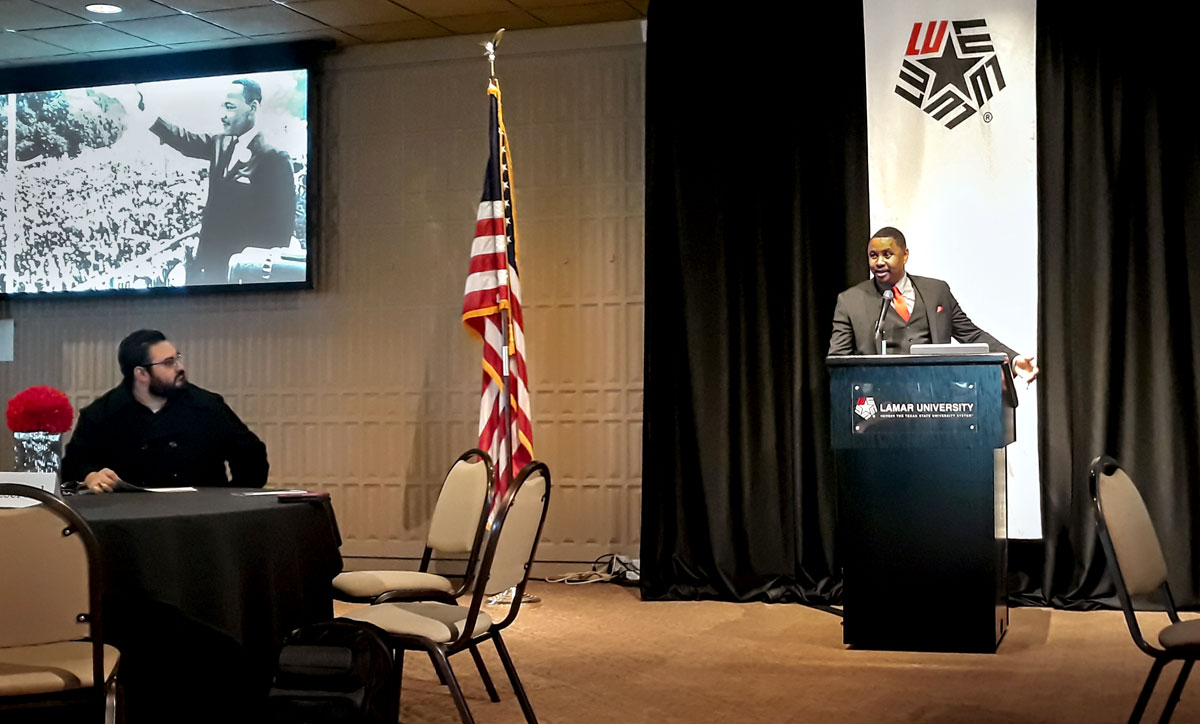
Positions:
{"x": 598, "y": 653}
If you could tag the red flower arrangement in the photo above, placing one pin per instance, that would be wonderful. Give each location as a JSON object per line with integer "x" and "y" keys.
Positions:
{"x": 40, "y": 409}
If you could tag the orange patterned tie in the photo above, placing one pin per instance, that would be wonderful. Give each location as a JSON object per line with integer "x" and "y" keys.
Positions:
{"x": 898, "y": 303}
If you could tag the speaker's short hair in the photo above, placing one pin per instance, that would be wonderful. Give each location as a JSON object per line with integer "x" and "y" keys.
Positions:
{"x": 891, "y": 232}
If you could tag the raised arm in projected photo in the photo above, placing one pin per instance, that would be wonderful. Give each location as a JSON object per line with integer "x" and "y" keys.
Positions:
{"x": 251, "y": 189}
{"x": 922, "y": 310}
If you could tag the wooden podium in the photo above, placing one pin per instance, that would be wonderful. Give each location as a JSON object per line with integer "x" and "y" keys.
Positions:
{"x": 922, "y": 480}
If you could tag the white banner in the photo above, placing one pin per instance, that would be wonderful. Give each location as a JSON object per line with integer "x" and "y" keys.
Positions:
{"x": 952, "y": 152}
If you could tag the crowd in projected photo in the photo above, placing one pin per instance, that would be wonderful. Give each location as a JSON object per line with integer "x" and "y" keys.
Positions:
{"x": 95, "y": 226}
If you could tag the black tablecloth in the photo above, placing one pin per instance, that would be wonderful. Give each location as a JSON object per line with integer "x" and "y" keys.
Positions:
{"x": 200, "y": 589}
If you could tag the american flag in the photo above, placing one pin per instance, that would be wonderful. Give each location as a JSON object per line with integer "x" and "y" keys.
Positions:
{"x": 493, "y": 287}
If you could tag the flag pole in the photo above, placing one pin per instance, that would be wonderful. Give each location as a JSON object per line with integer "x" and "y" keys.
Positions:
{"x": 505, "y": 597}
{"x": 489, "y": 48}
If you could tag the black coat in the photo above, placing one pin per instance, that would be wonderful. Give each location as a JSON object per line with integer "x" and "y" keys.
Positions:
{"x": 187, "y": 442}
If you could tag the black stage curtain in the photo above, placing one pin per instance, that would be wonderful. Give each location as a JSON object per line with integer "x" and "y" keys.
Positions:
{"x": 1119, "y": 202}
{"x": 756, "y": 216}
{"x": 755, "y": 186}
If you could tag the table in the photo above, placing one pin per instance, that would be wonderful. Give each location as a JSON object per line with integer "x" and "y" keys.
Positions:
{"x": 201, "y": 587}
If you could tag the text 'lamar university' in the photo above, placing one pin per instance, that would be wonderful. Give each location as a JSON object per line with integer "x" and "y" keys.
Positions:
{"x": 927, "y": 407}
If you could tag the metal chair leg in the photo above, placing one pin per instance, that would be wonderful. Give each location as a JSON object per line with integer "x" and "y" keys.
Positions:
{"x": 114, "y": 712}
{"x": 441, "y": 677}
{"x": 114, "y": 697}
{"x": 398, "y": 677}
{"x": 515, "y": 680}
{"x": 1144, "y": 698}
{"x": 119, "y": 708}
{"x": 1176, "y": 692}
{"x": 483, "y": 673}
{"x": 442, "y": 664}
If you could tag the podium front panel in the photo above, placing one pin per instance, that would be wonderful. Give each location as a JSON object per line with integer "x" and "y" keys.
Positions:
{"x": 877, "y": 405}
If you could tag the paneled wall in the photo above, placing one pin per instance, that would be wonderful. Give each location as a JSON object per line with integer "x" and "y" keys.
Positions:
{"x": 367, "y": 387}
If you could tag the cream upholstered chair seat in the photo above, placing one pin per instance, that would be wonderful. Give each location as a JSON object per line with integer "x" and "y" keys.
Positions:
{"x": 364, "y": 584}
{"x": 438, "y": 622}
{"x": 1181, "y": 636}
{"x": 50, "y": 667}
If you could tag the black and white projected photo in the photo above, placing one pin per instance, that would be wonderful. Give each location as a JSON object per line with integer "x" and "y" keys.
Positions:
{"x": 197, "y": 181}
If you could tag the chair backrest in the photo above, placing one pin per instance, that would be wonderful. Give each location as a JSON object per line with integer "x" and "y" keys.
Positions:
{"x": 512, "y": 537}
{"x": 517, "y": 534}
{"x": 49, "y": 576}
{"x": 45, "y": 574}
{"x": 1123, "y": 518}
{"x": 460, "y": 514}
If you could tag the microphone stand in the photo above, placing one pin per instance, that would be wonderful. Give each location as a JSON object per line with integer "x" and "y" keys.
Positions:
{"x": 880, "y": 333}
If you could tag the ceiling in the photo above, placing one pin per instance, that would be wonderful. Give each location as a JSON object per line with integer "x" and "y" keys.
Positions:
{"x": 37, "y": 32}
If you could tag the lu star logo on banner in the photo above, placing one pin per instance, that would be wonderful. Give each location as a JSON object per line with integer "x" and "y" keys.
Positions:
{"x": 865, "y": 408}
{"x": 950, "y": 77}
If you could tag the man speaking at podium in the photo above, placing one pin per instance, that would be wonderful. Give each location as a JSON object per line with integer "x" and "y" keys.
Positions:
{"x": 156, "y": 429}
{"x": 922, "y": 310}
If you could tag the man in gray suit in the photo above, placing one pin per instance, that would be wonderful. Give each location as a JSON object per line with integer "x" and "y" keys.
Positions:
{"x": 923, "y": 310}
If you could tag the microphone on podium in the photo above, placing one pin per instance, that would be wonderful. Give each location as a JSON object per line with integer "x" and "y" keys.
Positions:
{"x": 880, "y": 342}
{"x": 888, "y": 296}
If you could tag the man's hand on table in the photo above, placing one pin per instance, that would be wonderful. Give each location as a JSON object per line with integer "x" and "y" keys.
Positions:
{"x": 101, "y": 481}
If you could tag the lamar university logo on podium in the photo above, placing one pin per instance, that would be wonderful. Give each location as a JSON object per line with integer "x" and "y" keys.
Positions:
{"x": 864, "y": 407}
{"x": 950, "y": 76}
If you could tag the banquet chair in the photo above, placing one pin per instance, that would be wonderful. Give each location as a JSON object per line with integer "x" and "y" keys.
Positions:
{"x": 1136, "y": 562}
{"x": 442, "y": 629}
{"x": 54, "y": 664}
{"x": 456, "y": 527}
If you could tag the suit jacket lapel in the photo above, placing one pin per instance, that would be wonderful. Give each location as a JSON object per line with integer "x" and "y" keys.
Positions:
{"x": 872, "y": 300}
{"x": 939, "y": 322}
{"x": 224, "y": 152}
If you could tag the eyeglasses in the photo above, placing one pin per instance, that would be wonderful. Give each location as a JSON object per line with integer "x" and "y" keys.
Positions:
{"x": 173, "y": 361}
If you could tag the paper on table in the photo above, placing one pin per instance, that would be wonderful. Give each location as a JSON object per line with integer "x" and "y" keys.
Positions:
{"x": 270, "y": 492}
{"x": 124, "y": 487}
